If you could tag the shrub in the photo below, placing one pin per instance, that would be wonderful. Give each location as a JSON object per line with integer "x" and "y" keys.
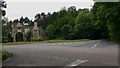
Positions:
{"x": 4, "y": 41}
{"x": 5, "y": 55}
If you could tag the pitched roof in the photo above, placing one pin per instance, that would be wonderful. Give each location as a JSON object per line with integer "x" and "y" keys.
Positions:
{"x": 19, "y": 25}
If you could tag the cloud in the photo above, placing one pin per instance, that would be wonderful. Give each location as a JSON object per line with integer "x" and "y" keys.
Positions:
{"x": 49, "y": 0}
{"x": 17, "y": 9}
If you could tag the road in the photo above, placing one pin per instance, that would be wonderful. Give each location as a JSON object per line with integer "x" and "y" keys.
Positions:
{"x": 88, "y": 53}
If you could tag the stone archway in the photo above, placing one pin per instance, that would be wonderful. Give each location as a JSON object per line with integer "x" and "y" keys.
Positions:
{"x": 19, "y": 37}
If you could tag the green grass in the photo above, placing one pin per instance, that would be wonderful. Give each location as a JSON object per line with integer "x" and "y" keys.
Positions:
{"x": 58, "y": 41}
{"x": 5, "y": 55}
{"x": 48, "y": 41}
{"x": 18, "y": 43}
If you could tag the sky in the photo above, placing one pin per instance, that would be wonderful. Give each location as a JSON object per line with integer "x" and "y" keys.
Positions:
{"x": 17, "y": 8}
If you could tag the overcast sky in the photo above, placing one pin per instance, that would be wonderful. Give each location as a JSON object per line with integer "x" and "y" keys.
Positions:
{"x": 17, "y": 8}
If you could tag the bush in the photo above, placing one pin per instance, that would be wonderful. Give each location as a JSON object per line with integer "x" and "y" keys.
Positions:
{"x": 38, "y": 40}
{"x": 4, "y": 41}
{"x": 5, "y": 55}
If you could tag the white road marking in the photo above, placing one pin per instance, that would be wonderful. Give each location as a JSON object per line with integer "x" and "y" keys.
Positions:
{"x": 94, "y": 46}
{"x": 77, "y": 62}
{"x": 6, "y": 60}
{"x": 53, "y": 43}
{"x": 60, "y": 43}
{"x": 92, "y": 41}
{"x": 70, "y": 43}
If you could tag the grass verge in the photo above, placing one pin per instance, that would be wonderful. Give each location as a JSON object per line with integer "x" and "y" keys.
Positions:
{"x": 59, "y": 41}
{"x": 48, "y": 41}
{"x": 5, "y": 55}
{"x": 18, "y": 43}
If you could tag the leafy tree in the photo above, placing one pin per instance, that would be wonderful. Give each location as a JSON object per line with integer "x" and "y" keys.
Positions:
{"x": 2, "y": 5}
{"x": 21, "y": 19}
{"x": 26, "y": 20}
{"x": 38, "y": 18}
{"x": 72, "y": 10}
{"x": 113, "y": 20}
{"x": 2, "y": 21}
{"x": 106, "y": 19}
{"x": 29, "y": 36}
{"x": 83, "y": 25}
{"x": 15, "y": 20}
{"x": 66, "y": 31}
{"x": 31, "y": 23}
{"x": 100, "y": 23}
{"x": 50, "y": 31}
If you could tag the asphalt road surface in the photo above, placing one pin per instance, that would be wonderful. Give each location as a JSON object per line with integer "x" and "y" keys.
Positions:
{"x": 89, "y": 53}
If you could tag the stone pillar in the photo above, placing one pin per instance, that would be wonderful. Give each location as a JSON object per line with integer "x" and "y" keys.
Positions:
{"x": 14, "y": 35}
{"x": 24, "y": 38}
{"x": 35, "y": 32}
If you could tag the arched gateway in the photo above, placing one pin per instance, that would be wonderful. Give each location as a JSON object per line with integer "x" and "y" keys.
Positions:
{"x": 19, "y": 37}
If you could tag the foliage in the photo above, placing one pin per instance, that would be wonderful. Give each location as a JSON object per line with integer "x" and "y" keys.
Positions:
{"x": 106, "y": 16}
{"x": 66, "y": 31}
{"x": 5, "y": 55}
{"x": 50, "y": 31}
{"x": 4, "y": 40}
{"x": 83, "y": 25}
{"x": 113, "y": 20}
{"x": 29, "y": 36}
{"x": 2, "y": 6}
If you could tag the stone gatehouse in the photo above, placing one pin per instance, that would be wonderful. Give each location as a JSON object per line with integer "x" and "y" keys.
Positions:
{"x": 20, "y": 30}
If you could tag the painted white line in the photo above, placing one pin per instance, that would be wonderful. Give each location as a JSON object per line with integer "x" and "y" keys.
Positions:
{"x": 77, "y": 62}
{"x": 53, "y": 43}
{"x": 94, "y": 46}
{"x": 92, "y": 41}
{"x": 60, "y": 43}
{"x": 6, "y": 60}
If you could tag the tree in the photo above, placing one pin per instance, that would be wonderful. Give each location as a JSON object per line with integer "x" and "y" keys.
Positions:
{"x": 38, "y": 18}
{"x": 83, "y": 25}
{"x": 66, "y": 31}
{"x": 72, "y": 10}
{"x": 29, "y": 36}
{"x": 113, "y": 20}
{"x": 52, "y": 18}
{"x": 2, "y": 5}
{"x": 41, "y": 19}
{"x": 106, "y": 16}
{"x": 50, "y": 31}
{"x": 26, "y": 20}
{"x": 2, "y": 14}
{"x": 6, "y": 29}
{"x": 62, "y": 13}
{"x": 31, "y": 23}
{"x": 21, "y": 19}
{"x": 15, "y": 20}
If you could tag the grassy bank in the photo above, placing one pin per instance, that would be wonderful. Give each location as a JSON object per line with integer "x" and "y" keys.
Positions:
{"x": 48, "y": 41}
{"x": 59, "y": 41}
{"x": 5, "y": 55}
{"x": 18, "y": 43}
